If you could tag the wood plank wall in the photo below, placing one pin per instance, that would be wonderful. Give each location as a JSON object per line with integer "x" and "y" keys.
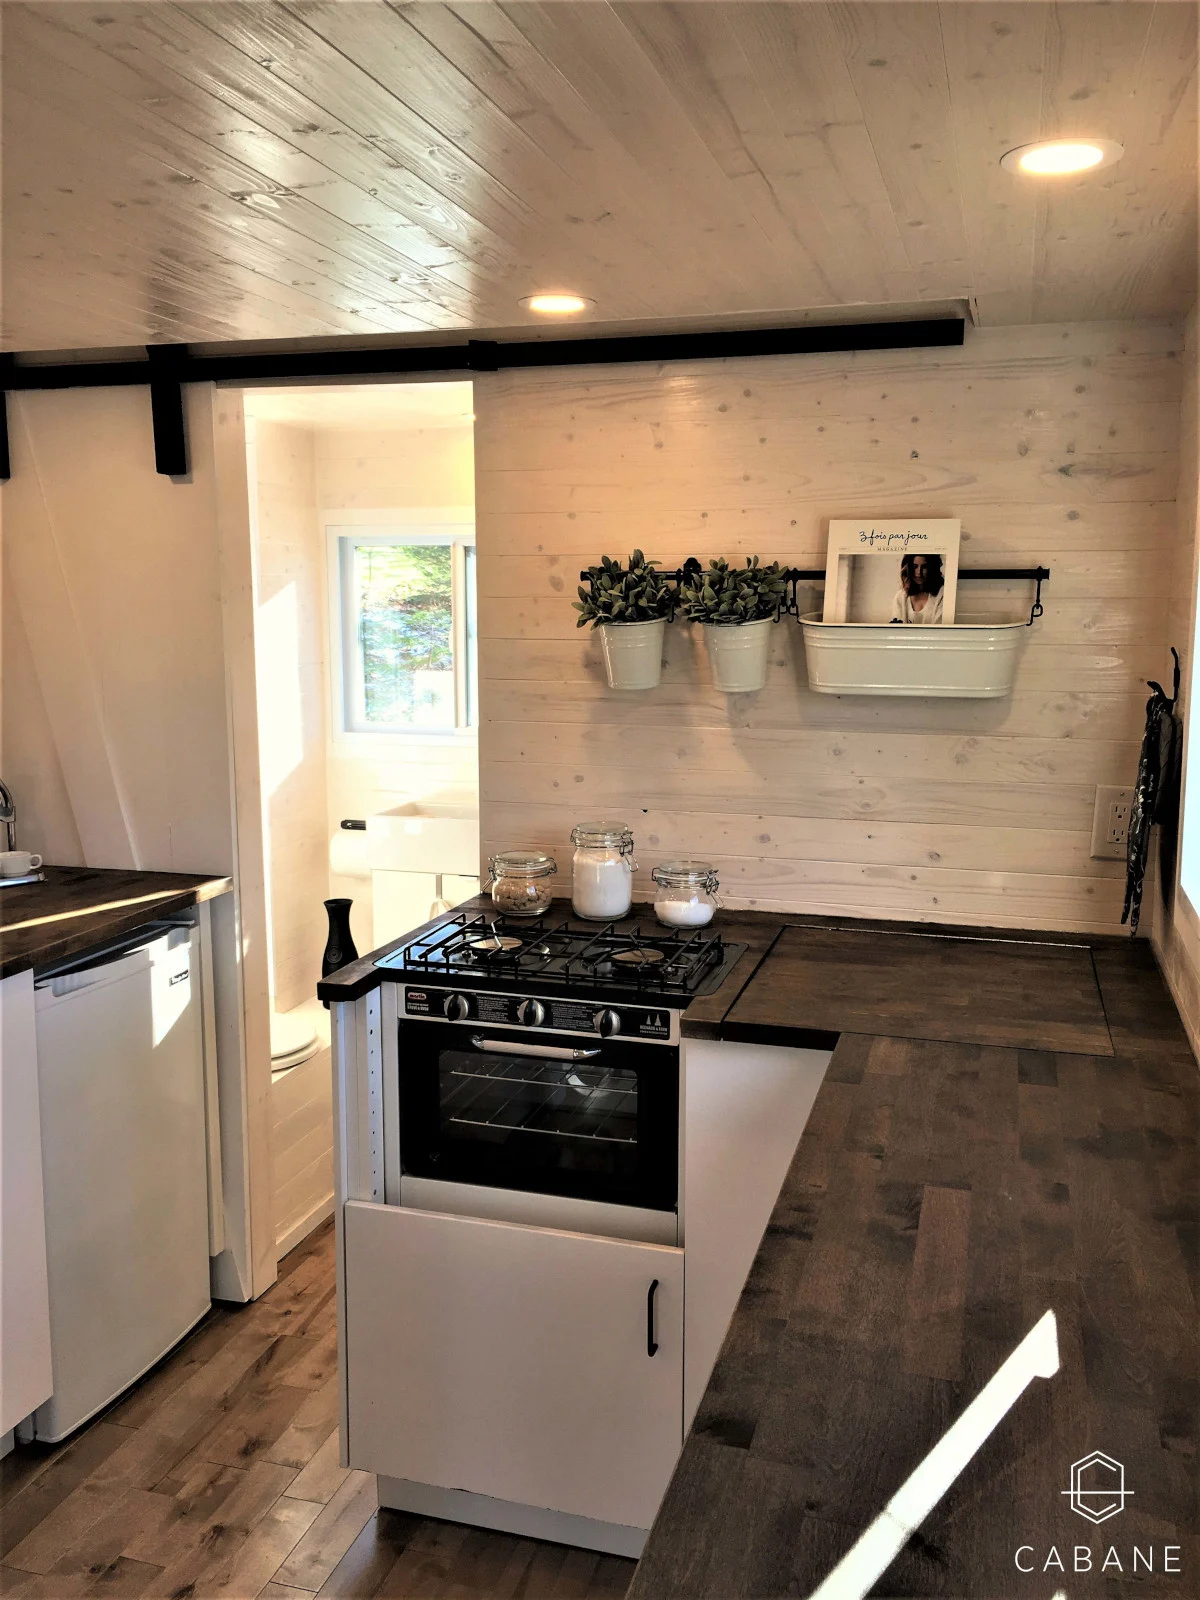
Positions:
{"x": 292, "y": 701}
{"x": 1055, "y": 444}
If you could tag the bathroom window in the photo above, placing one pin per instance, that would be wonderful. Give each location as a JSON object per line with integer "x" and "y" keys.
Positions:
{"x": 405, "y": 612}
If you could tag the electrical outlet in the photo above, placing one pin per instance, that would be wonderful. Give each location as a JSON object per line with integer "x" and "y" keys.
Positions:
{"x": 1110, "y": 822}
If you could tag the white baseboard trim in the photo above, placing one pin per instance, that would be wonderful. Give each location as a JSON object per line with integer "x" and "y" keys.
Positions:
{"x": 530, "y": 1522}
{"x": 300, "y": 1229}
{"x": 7, "y": 1443}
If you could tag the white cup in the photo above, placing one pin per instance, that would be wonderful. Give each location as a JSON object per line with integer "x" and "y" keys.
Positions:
{"x": 18, "y": 863}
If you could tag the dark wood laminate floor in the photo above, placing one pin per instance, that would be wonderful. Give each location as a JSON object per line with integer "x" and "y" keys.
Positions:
{"x": 915, "y": 986}
{"x": 942, "y": 1199}
{"x": 217, "y": 1476}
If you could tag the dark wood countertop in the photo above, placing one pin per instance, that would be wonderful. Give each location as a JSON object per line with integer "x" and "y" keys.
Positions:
{"x": 806, "y": 979}
{"x": 943, "y": 1197}
{"x": 76, "y": 908}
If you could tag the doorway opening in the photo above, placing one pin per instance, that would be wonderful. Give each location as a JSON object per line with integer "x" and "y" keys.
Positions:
{"x": 363, "y": 533}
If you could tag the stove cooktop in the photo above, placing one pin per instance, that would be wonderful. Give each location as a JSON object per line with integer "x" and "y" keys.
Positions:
{"x": 613, "y": 959}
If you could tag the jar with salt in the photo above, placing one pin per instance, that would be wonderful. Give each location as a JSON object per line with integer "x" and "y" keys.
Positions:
{"x": 521, "y": 884}
{"x": 687, "y": 893}
{"x": 602, "y": 870}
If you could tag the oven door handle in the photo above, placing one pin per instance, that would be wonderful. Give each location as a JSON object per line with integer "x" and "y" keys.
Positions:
{"x": 512, "y": 1047}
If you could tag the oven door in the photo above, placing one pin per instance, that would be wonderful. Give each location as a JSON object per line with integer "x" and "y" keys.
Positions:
{"x": 594, "y": 1119}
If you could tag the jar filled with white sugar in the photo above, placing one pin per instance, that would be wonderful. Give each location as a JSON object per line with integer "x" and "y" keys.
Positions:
{"x": 687, "y": 893}
{"x": 602, "y": 870}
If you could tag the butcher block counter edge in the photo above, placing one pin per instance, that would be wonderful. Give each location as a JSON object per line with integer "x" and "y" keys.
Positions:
{"x": 77, "y": 908}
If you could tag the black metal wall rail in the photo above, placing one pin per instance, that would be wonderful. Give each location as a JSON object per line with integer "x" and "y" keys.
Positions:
{"x": 171, "y": 366}
{"x": 794, "y": 577}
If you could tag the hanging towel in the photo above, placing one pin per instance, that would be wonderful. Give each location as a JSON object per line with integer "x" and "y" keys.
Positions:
{"x": 1155, "y": 796}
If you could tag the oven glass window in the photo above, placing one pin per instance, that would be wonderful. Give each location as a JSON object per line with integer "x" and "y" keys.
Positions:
{"x": 571, "y": 1117}
{"x": 512, "y": 1114}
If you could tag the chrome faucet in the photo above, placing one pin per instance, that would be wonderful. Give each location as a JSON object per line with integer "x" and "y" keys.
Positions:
{"x": 8, "y": 816}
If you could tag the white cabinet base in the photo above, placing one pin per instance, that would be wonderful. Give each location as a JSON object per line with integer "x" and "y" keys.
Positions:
{"x": 513, "y": 1363}
{"x": 529, "y": 1522}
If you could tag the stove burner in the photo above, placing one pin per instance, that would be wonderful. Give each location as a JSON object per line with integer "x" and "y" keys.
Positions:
{"x": 639, "y": 958}
{"x": 496, "y": 945}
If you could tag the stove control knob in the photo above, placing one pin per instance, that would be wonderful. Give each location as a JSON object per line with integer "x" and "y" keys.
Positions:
{"x": 457, "y": 1007}
{"x": 606, "y": 1023}
{"x": 532, "y": 1013}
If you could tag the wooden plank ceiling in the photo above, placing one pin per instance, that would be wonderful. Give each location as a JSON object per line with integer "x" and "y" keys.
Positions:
{"x": 212, "y": 172}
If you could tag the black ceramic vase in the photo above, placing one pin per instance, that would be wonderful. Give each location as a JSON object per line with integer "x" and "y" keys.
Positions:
{"x": 339, "y": 947}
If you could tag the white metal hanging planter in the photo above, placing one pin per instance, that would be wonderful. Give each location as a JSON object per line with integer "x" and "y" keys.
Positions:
{"x": 965, "y": 661}
{"x": 633, "y": 653}
{"x": 737, "y": 654}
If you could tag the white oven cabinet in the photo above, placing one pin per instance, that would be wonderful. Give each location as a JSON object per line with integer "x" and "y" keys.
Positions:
{"x": 511, "y": 1361}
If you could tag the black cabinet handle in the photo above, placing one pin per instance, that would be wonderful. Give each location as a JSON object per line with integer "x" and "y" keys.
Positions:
{"x": 354, "y": 824}
{"x": 651, "y": 1341}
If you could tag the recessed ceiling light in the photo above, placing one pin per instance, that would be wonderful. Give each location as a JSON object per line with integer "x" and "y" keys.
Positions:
{"x": 556, "y": 303}
{"x": 1057, "y": 158}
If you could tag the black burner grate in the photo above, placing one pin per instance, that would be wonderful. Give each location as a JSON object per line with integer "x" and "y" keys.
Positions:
{"x": 608, "y": 957}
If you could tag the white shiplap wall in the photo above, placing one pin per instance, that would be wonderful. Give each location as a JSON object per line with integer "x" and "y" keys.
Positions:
{"x": 290, "y": 602}
{"x": 292, "y": 718}
{"x": 1053, "y": 444}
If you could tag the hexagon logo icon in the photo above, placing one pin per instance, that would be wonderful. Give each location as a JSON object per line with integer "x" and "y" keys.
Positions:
{"x": 1097, "y": 1489}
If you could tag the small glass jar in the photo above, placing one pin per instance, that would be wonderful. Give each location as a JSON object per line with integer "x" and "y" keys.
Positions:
{"x": 687, "y": 893}
{"x": 521, "y": 882}
{"x": 602, "y": 870}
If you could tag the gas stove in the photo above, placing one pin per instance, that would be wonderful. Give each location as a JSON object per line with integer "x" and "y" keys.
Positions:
{"x": 605, "y": 961}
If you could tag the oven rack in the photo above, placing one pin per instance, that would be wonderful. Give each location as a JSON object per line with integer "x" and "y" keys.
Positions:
{"x": 554, "y": 1133}
{"x": 506, "y": 1116}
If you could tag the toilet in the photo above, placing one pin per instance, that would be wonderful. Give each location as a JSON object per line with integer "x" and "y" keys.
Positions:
{"x": 293, "y": 1040}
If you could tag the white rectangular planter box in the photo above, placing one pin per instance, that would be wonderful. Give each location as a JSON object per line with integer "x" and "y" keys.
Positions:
{"x": 965, "y": 661}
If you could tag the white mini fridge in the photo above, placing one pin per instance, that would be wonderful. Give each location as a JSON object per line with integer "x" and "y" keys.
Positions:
{"x": 121, "y": 1077}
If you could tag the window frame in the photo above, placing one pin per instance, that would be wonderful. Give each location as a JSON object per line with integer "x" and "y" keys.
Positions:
{"x": 454, "y": 527}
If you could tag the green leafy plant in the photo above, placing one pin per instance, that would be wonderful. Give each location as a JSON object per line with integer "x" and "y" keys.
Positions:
{"x": 613, "y": 593}
{"x": 725, "y": 594}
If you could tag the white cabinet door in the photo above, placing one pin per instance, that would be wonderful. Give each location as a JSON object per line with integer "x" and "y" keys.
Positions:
{"x": 24, "y": 1301}
{"x": 513, "y": 1361}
